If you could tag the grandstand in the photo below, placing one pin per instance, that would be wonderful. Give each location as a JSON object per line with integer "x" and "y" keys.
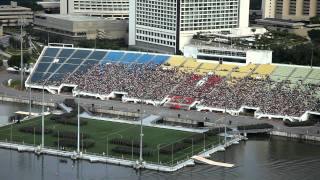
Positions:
{"x": 272, "y": 90}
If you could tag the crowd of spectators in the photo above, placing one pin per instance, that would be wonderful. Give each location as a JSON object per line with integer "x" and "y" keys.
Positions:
{"x": 152, "y": 82}
{"x": 271, "y": 97}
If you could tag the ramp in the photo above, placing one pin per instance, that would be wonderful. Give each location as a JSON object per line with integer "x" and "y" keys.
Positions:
{"x": 24, "y": 113}
{"x": 147, "y": 121}
{"x": 65, "y": 108}
{"x": 210, "y": 162}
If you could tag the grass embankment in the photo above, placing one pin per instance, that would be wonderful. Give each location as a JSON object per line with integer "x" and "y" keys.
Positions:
{"x": 16, "y": 84}
{"x": 101, "y": 132}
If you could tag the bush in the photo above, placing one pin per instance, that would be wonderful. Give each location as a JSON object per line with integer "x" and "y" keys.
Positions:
{"x": 195, "y": 138}
{"x": 128, "y": 150}
{"x": 70, "y": 135}
{"x": 126, "y": 142}
{"x": 176, "y": 147}
{"x": 297, "y": 124}
{"x": 15, "y": 60}
{"x": 73, "y": 143}
{"x": 256, "y": 126}
{"x": 216, "y": 131}
{"x": 70, "y": 103}
{"x": 35, "y": 129}
{"x": 68, "y": 119}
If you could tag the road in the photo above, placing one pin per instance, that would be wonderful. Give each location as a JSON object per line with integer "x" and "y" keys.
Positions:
{"x": 217, "y": 118}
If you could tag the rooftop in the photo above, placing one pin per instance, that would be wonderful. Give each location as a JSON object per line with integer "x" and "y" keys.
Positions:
{"x": 71, "y": 17}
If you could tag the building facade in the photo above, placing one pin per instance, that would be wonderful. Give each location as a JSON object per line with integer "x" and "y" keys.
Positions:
{"x": 297, "y": 10}
{"x": 81, "y": 27}
{"x": 167, "y": 25}
{"x": 12, "y": 15}
{"x": 100, "y": 8}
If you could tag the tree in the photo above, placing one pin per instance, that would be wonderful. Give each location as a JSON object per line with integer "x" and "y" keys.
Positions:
{"x": 15, "y": 59}
{"x": 315, "y": 20}
{"x": 314, "y": 36}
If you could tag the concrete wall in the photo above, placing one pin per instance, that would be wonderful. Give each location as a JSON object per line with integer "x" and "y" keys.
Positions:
{"x": 296, "y": 136}
{"x": 259, "y": 57}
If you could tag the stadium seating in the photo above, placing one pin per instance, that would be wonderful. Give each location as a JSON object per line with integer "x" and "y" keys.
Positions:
{"x": 42, "y": 67}
{"x": 224, "y": 69}
{"x": 206, "y": 68}
{"x": 281, "y": 73}
{"x": 175, "y": 61}
{"x": 65, "y": 53}
{"x": 300, "y": 72}
{"x": 160, "y": 59}
{"x": 238, "y": 75}
{"x": 51, "y": 52}
{"x": 112, "y": 56}
{"x": 143, "y": 76}
{"x": 263, "y": 70}
{"x": 315, "y": 74}
{"x": 246, "y": 69}
{"x": 145, "y": 58}
{"x": 130, "y": 57}
{"x": 97, "y": 55}
{"x": 190, "y": 65}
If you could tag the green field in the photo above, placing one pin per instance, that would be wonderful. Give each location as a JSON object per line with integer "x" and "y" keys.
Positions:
{"x": 102, "y": 132}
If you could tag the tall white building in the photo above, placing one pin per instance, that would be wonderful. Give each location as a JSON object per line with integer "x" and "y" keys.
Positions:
{"x": 100, "y": 8}
{"x": 168, "y": 25}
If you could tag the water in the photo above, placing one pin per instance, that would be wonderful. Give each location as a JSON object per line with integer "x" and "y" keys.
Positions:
{"x": 260, "y": 158}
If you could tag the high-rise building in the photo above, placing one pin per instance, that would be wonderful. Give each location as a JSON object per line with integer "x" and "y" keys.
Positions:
{"x": 100, "y": 8}
{"x": 168, "y": 25}
{"x": 297, "y": 10}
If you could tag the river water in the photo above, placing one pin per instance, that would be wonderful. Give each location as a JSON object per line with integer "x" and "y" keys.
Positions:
{"x": 256, "y": 159}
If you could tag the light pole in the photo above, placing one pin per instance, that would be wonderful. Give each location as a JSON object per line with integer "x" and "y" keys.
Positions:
{"x": 21, "y": 53}
{"x": 141, "y": 139}
{"x": 78, "y": 135}
{"x": 107, "y": 145}
{"x": 30, "y": 103}
{"x": 42, "y": 117}
{"x": 158, "y": 148}
{"x": 204, "y": 141}
{"x": 311, "y": 60}
{"x": 42, "y": 114}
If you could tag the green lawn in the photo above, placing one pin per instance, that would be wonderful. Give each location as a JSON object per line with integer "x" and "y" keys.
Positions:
{"x": 102, "y": 131}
